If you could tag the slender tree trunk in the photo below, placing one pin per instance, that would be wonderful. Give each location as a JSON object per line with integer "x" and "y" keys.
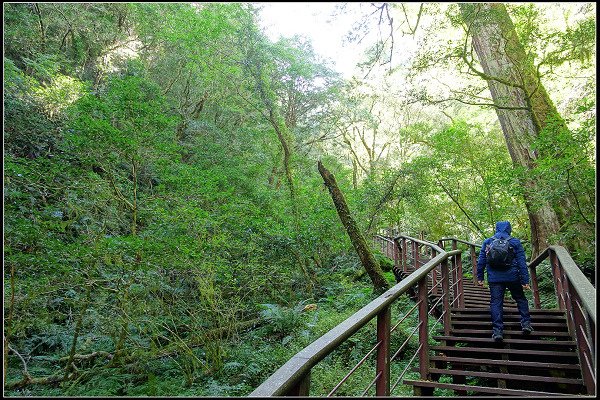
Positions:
{"x": 134, "y": 209}
{"x": 77, "y": 331}
{"x": 281, "y": 131}
{"x": 42, "y": 27}
{"x": 358, "y": 241}
{"x": 354, "y": 174}
{"x": 9, "y": 322}
{"x": 514, "y": 83}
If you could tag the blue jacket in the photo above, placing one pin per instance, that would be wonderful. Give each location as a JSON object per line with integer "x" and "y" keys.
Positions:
{"x": 518, "y": 270}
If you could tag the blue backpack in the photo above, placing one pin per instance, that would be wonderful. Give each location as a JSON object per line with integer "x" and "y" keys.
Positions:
{"x": 500, "y": 254}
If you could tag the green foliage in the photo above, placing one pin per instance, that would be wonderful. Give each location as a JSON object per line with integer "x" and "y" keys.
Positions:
{"x": 565, "y": 169}
{"x": 460, "y": 184}
{"x": 385, "y": 263}
{"x": 71, "y": 38}
{"x": 281, "y": 321}
{"x": 550, "y": 46}
{"x": 124, "y": 122}
{"x": 27, "y": 130}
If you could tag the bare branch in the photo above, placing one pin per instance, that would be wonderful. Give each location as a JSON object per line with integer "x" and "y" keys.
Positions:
{"x": 412, "y": 31}
{"x": 500, "y": 107}
{"x": 455, "y": 201}
{"x": 26, "y": 376}
{"x": 349, "y": 144}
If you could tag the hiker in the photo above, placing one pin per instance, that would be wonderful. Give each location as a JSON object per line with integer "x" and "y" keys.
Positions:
{"x": 504, "y": 258}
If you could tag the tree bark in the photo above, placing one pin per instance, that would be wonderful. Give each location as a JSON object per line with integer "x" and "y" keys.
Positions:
{"x": 287, "y": 155}
{"x": 513, "y": 82}
{"x": 358, "y": 241}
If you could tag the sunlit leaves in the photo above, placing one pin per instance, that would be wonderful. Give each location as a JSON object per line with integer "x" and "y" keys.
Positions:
{"x": 59, "y": 93}
{"x": 462, "y": 180}
{"x": 123, "y": 122}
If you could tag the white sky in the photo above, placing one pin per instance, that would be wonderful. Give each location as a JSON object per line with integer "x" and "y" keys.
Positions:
{"x": 314, "y": 21}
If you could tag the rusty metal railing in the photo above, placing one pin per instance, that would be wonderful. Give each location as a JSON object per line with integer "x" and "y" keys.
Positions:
{"x": 577, "y": 297}
{"x": 294, "y": 377}
{"x": 430, "y": 264}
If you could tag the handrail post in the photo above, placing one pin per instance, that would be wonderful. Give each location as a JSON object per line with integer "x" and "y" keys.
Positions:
{"x": 415, "y": 249}
{"x": 423, "y": 330}
{"x": 534, "y": 288}
{"x": 396, "y": 251}
{"x": 404, "y": 255}
{"x": 568, "y": 304}
{"x": 452, "y": 280}
{"x": 556, "y": 272}
{"x": 382, "y": 387}
{"x": 434, "y": 275}
{"x": 446, "y": 296}
{"x": 302, "y": 388}
{"x": 473, "y": 263}
{"x": 459, "y": 275}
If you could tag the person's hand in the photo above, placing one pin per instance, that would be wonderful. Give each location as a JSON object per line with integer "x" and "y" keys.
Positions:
{"x": 480, "y": 283}
{"x": 526, "y": 287}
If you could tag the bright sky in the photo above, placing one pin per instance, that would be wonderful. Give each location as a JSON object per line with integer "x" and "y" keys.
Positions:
{"x": 315, "y": 21}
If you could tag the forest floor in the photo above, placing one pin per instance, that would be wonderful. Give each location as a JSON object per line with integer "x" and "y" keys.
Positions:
{"x": 243, "y": 362}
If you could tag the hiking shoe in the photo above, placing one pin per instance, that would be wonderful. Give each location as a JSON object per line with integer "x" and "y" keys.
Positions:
{"x": 497, "y": 336}
{"x": 527, "y": 329}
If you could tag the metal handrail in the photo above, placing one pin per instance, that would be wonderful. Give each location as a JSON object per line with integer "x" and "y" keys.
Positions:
{"x": 577, "y": 297}
{"x": 582, "y": 285}
{"x": 424, "y": 242}
{"x": 296, "y": 372}
{"x": 460, "y": 241}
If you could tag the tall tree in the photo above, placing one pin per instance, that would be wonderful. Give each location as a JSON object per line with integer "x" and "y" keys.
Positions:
{"x": 524, "y": 110}
{"x": 512, "y": 61}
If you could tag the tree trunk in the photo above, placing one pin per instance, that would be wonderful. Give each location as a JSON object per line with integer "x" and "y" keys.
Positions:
{"x": 354, "y": 174}
{"x": 281, "y": 131}
{"x": 358, "y": 241}
{"x": 522, "y": 105}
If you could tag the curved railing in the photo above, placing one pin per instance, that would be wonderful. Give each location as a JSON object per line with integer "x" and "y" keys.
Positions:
{"x": 293, "y": 378}
{"x": 433, "y": 275}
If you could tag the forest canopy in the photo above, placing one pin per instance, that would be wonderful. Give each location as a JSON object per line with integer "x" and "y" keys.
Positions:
{"x": 165, "y": 223}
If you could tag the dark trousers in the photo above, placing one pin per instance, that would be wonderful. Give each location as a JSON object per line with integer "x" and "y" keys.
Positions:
{"x": 497, "y": 290}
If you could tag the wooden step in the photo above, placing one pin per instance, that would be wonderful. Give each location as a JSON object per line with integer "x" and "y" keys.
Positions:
{"x": 507, "y": 377}
{"x": 510, "y": 316}
{"x": 469, "y": 293}
{"x": 486, "y": 303}
{"x": 481, "y": 389}
{"x": 506, "y": 363}
{"x": 511, "y": 352}
{"x": 514, "y": 325}
{"x": 518, "y": 333}
{"x": 489, "y": 340}
{"x": 532, "y": 311}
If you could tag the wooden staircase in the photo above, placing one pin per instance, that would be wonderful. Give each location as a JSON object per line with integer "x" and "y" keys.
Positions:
{"x": 469, "y": 362}
{"x": 557, "y": 359}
